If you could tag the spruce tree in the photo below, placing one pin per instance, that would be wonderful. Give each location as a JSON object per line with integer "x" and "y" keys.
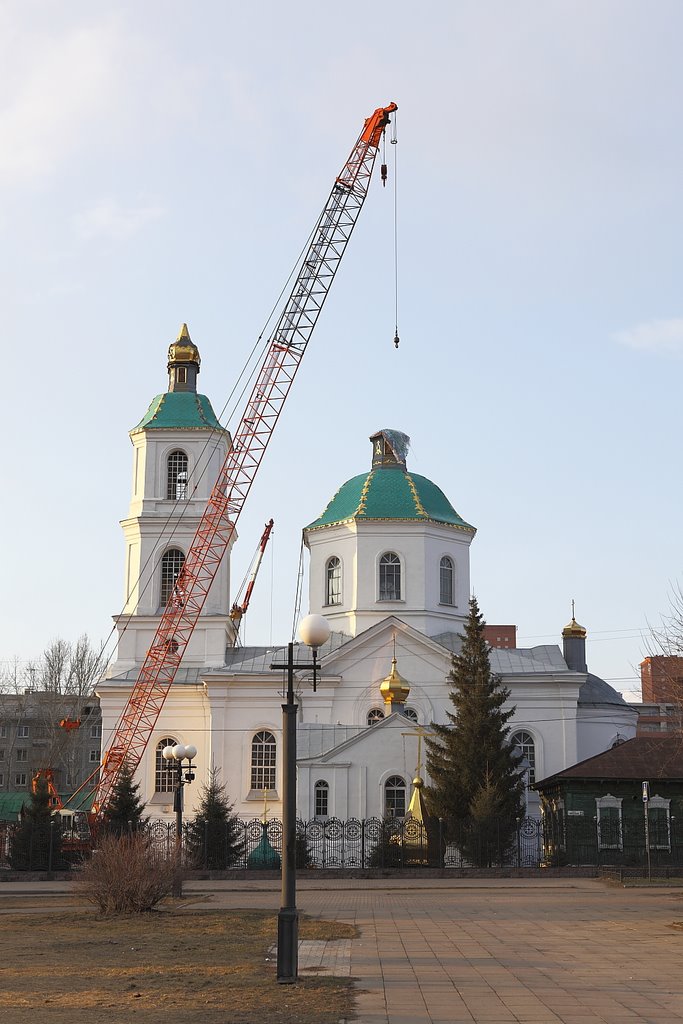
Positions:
{"x": 215, "y": 837}
{"x": 476, "y": 784}
{"x": 36, "y": 841}
{"x": 124, "y": 812}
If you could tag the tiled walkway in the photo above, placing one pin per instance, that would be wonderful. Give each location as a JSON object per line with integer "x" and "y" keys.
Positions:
{"x": 534, "y": 951}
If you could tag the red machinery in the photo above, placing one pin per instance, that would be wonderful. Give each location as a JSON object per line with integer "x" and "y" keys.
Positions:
{"x": 239, "y": 608}
{"x": 285, "y": 350}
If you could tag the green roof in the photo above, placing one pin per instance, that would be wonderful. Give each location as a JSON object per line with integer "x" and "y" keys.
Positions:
{"x": 175, "y": 410}
{"x": 390, "y": 493}
{"x": 11, "y": 804}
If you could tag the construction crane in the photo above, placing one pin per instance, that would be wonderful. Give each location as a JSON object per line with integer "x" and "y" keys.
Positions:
{"x": 239, "y": 608}
{"x": 284, "y": 352}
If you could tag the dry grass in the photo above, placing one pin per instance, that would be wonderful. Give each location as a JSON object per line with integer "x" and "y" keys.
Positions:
{"x": 208, "y": 965}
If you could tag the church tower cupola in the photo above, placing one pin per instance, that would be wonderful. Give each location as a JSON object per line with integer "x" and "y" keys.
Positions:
{"x": 183, "y": 363}
{"x": 574, "y": 645}
{"x": 394, "y": 688}
{"x": 389, "y": 449}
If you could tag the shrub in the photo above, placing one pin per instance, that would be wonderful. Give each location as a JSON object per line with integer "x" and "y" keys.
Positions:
{"x": 215, "y": 838}
{"x": 127, "y": 876}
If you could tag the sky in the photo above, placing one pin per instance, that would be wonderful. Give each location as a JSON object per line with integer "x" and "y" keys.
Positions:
{"x": 163, "y": 163}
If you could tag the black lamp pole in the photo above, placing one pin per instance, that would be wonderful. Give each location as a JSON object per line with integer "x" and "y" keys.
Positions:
{"x": 288, "y": 915}
{"x": 178, "y": 754}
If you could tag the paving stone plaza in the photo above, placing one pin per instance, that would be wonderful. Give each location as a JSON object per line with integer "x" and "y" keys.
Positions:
{"x": 463, "y": 951}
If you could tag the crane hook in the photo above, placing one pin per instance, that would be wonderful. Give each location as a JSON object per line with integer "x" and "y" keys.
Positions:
{"x": 396, "y": 339}
{"x": 383, "y": 172}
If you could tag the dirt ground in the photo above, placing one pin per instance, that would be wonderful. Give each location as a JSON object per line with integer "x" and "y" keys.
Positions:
{"x": 211, "y": 965}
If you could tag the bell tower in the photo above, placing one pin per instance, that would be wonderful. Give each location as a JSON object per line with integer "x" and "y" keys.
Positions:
{"x": 178, "y": 449}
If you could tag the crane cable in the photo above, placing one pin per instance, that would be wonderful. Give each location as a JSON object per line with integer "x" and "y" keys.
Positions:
{"x": 394, "y": 142}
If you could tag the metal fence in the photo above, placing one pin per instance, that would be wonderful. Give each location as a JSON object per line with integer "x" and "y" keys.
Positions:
{"x": 386, "y": 844}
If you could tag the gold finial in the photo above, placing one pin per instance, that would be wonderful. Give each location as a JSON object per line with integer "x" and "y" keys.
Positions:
{"x": 573, "y": 629}
{"x": 394, "y": 688}
{"x": 183, "y": 349}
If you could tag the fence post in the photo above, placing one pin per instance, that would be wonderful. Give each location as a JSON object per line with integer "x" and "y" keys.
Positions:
{"x": 362, "y": 843}
{"x": 519, "y": 842}
{"x": 49, "y": 852}
{"x": 442, "y": 852}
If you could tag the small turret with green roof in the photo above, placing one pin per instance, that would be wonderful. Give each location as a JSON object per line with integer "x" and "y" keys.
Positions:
{"x": 181, "y": 408}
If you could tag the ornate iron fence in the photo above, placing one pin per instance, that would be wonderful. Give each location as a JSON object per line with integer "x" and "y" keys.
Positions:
{"x": 392, "y": 844}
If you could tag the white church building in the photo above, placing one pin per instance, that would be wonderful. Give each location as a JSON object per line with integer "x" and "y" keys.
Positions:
{"x": 390, "y": 571}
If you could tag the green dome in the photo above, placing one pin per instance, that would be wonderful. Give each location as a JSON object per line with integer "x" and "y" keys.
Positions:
{"x": 184, "y": 410}
{"x": 390, "y": 493}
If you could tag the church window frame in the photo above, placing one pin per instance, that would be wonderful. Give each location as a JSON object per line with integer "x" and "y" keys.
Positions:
{"x": 177, "y": 470}
{"x": 164, "y": 771}
{"x": 374, "y": 716}
{"x": 525, "y": 744}
{"x": 411, "y": 714}
{"x": 333, "y": 580}
{"x": 447, "y": 580}
{"x": 390, "y": 577}
{"x": 263, "y": 762}
{"x": 172, "y": 562}
{"x": 395, "y": 792}
{"x": 321, "y": 792}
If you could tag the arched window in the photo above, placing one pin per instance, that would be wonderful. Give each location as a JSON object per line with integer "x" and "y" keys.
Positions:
{"x": 333, "y": 581}
{"x": 395, "y": 797}
{"x": 375, "y": 715}
{"x": 164, "y": 773}
{"x": 263, "y": 751}
{"x": 446, "y": 581}
{"x": 390, "y": 577}
{"x": 523, "y": 742}
{"x": 176, "y": 476}
{"x": 322, "y": 793}
{"x": 410, "y": 714}
{"x": 171, "y": 564}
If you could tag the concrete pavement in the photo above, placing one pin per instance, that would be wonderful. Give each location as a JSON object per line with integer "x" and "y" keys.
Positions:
{"x": 535, "y": 951}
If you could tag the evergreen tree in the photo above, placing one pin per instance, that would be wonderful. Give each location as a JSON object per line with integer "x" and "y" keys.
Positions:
{"x": 476, "y": 783}
{"x": 124, "y": 811}
{"x": 36, "y": 842}
{"x": 215, "y": 837}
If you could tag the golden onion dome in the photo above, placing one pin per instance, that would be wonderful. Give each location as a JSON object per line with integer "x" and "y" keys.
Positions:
{"x": 394, "y": 688}
{"x": 183, "y": 349}
{"x": 573, "y": 629}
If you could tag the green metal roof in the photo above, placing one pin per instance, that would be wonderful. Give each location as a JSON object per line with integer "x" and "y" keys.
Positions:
{"x": 390, "y": 493}
{"x": 183, "y": 410}
{"x": 11, "y": 804}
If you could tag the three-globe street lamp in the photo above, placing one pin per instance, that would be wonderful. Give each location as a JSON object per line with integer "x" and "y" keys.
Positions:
{"x": 314, "y": 631}
{"x": 183, "y": 776}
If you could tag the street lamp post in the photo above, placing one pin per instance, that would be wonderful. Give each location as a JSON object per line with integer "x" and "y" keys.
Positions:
{"x": 183, "y": 776}
{"x": 313, "y": 631}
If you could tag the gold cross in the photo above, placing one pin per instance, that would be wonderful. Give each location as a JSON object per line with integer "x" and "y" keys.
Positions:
{"x": 418, "y": 731}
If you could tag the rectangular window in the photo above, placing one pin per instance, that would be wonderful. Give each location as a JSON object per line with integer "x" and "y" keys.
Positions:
{"x": 20, "y": 779}
{"x": 2, "y": 780}
{"x": 22, "y": 732}
{"x": 22, "y": 754}
{"x": 2, "y": 755}
{"x": 609, "y": 824}
{"x": 95, "y": 756}
{"x": 3, "y": 732}
{"x": 659, "y": 824}
{"x": 95, "y": 732}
